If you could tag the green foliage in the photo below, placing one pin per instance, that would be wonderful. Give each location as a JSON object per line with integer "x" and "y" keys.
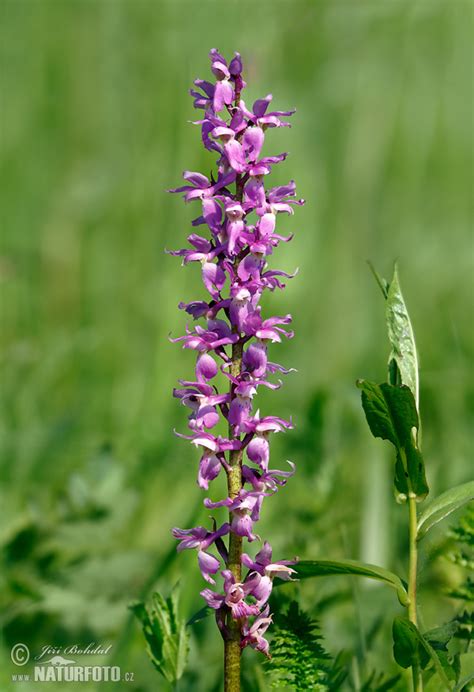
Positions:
{"x": 410, "y": 648}
{"x": 299, "y": 661}
{"x": 463, "y": 555}
{"x": 378, "y": 682}
{"x": 407, "y": 647}
{"x": 443, "y": 505}
{"x": 403, "y": 360}
{"x": 165, "y": 633}
{"x": 464, "y": 622}
{"x": 324, "y": 568}
{"x": 451, "y": 641}
{"x": 439, "y": 638}
{"x": 68, "y": 566}
{"x": 392, "y": 415}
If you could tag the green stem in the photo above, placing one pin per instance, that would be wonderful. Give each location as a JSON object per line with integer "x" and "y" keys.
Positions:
{"x": 412, "y": 573}
{"x": 232, "y": 649}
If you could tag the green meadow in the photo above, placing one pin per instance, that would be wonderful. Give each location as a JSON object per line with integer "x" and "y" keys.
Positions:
{"x": 96, "y": 126}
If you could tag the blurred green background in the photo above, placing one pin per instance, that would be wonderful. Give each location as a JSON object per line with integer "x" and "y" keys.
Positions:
{"x": 95, "y": 128}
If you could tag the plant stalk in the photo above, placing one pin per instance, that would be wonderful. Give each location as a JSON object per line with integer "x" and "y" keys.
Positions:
{"x": 412, "y": 573}
{"x": 232, "y": 651}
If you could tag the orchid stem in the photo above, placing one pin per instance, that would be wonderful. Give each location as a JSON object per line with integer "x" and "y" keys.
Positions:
{"x": 232, "y": 650}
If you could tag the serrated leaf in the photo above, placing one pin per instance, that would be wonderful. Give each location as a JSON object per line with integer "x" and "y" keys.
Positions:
{"x": 443, "y": 505}
{"x": 411, "y": 648}
{"x": 401, "y": 337}
{"x": 165, "y": 633}
{"x": 299, "y": 661}
{"x": 391, "y": 413}
{"x": 439, "y": 637}
{"x": 324, "y": 568}
{"x": 201, "y": 614}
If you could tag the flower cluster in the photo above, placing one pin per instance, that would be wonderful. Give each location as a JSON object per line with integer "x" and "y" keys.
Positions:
{"x": 239, "y": 216}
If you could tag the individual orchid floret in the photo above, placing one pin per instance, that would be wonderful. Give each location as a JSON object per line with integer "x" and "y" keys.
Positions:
{"x": 223, "y": 91}
{"x": 201, "y": 187}
{"x": 264, "y": 565}
{"x": 203, "y": 250}
{"x": 202, "y": 539}
{"x": 267, "y": 424}
{"x": 255, "y": 358}
{"x": 234, "y": 596}
{"x": 267, "y": 481}
{"x": 259, "y": 114}
{"x": 217, "y": 335}
{"x": 253, "y": 635}
{"x": 280, "y": 198}
{"x": 244, "y": 509}
{"x": 267, "y": 329}
{"x": 258, "y": 449}
{"x": 268, "y": 570}
{"x": 206, "y": 367}
{"x": 201, "y": 399}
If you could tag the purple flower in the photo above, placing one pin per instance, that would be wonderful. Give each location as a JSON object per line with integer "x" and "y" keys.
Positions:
{"x": 263, "y": 564}
{"x": 245, "y": 508}
{"x": 238, "y": 219}
{"x": 201, "y": 539}
{"x": 217, "y": 335}
{"x": 233, "y": 597}
{"x": 200, "y": 398}
{"x": 201, "y": 187}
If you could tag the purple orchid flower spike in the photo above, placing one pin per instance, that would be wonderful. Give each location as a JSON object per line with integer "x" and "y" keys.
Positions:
{"x": 237, "y": 215}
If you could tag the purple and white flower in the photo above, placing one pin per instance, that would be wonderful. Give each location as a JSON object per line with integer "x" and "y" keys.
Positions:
{"x": 238, "y": 217}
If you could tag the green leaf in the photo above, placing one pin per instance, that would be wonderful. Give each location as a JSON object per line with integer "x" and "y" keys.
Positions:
{"x": 383, "y": 283}
{"x": 439, "y": 638}
{"x": 165, "y": 633}
{"x": 462, "y": 684}
{"x": 377, "y": 682}
{"x": 201, "y": 614}
{"x": 299, "y": 661}
{"x": 392, "y": 415}
{"x": 324, "y": 568}
{"x": 407, "y": 651}
{"x": 411, "y": 648}
{"x": 401, "y": 337}
{"x": 443, "y": 505}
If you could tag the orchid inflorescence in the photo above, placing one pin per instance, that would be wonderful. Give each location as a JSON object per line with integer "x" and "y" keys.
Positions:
{"x": 241, "y": 235}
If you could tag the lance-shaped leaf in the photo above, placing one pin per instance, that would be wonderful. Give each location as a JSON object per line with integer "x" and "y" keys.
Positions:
{"x": 327, "y": 568}
{"x": 411, "y": 648}
{"x": 165, "y": 633}
{"x": 401, "y": 337}
{"x": 443, "y": 505}
{"x": 201, "y": 614}
{"x": 463, "y": 684}
{"x": 392, "y": 415}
